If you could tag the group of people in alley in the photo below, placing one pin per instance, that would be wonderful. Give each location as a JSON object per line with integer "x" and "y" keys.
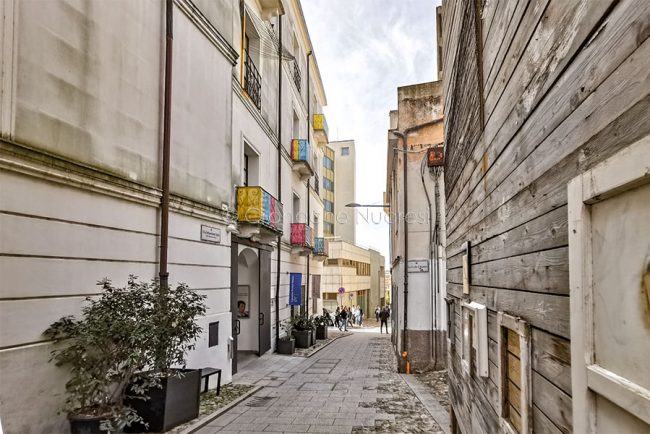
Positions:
{"x": 346, "y": 315}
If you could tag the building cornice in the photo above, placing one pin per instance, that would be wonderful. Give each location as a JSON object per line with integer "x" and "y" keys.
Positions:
{"x": 209, "y": 31}
{"x": 23, "y": 159}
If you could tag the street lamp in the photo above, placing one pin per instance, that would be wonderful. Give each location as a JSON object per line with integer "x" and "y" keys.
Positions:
{"x": 358, "y": 205}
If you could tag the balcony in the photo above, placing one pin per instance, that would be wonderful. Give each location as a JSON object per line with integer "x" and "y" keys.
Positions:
{"x": 297, "y": 78}
{"x": 320, "y": 249}
{"x": 302, "y": 241}
{"x": 316, "y": 185}
{"x": 259, "y": 214}
{"x": 252, "y": 81}
{"x": 319, "y": 123}
{"x": 302, "y": 158}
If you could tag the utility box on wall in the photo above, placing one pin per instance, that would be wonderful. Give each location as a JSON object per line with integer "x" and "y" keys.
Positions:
{"x": 435, "y": 156}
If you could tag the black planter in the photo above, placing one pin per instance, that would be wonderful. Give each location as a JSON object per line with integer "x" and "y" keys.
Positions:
{"x": 313, "y": 337}
{"x": 286, "y": 346}
{"x": 321, "y": 332}
{"x": 303, "y": 338}
{"x": 86, "y": 424}
{"x": 175, "y": 403}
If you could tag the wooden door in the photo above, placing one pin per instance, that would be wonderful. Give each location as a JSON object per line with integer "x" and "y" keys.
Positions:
{"x": 265, "y": 302}
{"x": 609, "y": 263}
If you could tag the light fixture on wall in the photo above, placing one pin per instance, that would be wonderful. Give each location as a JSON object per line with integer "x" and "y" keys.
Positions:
{"x": 232, "y": 229}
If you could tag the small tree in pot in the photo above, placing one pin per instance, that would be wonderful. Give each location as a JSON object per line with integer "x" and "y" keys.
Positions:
{"x": 286, "y": 344}
{"x": 173, "y": 332}
{"x": 301, "y": 330}
{"x": 104, "y": 350}
{"x": 321, "y": 327}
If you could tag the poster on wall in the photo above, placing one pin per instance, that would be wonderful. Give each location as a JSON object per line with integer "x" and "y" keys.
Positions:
{"x": 243, "y": 301}
{"x": 295, "y": 289}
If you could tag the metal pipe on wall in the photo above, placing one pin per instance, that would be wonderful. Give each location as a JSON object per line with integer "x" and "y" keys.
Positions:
{"x": 163, "y": 272}
{"x": 308, "y": 193}
{"x": 277, "y": 268}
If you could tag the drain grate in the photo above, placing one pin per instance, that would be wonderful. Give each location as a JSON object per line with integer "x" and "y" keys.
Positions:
{"x": 259, "y": 401}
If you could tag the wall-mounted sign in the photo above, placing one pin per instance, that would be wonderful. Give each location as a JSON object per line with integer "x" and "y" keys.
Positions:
{"x": 210, "y": 234}
{"x": 295, "y": 289}
{"x": 418, "y": 266}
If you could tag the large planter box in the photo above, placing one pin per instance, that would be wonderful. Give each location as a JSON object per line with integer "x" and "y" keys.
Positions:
{"x": 303, "y": 338}
{"x": 313, "y": 337}
{"x": 86, "y": 424}
{"x": 286, "y": 346}
{"x": 175, "y": 403}
{"x": 321, "y": 332}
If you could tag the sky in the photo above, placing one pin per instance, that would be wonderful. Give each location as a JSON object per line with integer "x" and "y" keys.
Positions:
{"x": 365, "y": 49}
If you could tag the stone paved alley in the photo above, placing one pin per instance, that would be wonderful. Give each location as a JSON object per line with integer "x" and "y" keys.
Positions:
{"x": 351, "y": 386}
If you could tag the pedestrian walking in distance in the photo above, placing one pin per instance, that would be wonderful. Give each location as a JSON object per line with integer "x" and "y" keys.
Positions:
{"x": 377, "y": 313}
{"x": 343, "y": 324}
{"x": 383, "y": 316}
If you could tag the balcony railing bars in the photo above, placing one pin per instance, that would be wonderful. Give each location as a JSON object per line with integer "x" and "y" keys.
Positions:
{"x": 297, "y": 79}
{"x": 252, "y": 81}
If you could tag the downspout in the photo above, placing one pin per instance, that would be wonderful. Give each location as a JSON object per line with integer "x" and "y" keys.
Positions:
{"x": 433, "y": 306}
{"x": 308, "y": 192}
{"x": 277, "y": 263}
{"x": 402, "y": 135}
{"x": 163, "y": 273}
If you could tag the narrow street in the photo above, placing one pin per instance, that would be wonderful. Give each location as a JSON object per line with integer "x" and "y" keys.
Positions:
{"x": 351, "y": 386}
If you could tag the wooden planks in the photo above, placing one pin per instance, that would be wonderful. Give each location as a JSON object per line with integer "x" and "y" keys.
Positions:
{"x": 574, "y": 87}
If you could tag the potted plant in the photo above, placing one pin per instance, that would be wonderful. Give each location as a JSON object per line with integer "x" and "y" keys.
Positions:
{"x": 301, "y": 331}
{"x": 312, "y": 326}
{"x": 321, "y": 327}
{"x": 104, "y": 351}
{"x": 286, "y": 344}
{"x": 173, "y": 332}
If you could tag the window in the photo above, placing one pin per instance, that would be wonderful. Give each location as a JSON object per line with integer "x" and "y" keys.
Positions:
{"x": 329, "y": 206}
{"x": 328, "y": 184}
{"x": 345, "y": 151}
{"x": 474, "y": 348}
{"x": 451, "y": 321}
{"x": 296, "y": 208}
{"x": 246, "y": 170}
{"x": 514, "y": 374}
{"x": 296, "y": 126}
{"x": 250, "y": 166}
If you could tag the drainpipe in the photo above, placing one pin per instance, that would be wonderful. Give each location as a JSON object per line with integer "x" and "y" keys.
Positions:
{"x": 163, "y": 273}
{"x": 308, "y": 193}
{"x": 403, "y": 135}
{"x": 434, "y": 310}
{"x": 277, "y": 269}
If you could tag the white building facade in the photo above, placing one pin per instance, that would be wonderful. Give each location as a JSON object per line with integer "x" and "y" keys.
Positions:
{"x": 82, "y": 125}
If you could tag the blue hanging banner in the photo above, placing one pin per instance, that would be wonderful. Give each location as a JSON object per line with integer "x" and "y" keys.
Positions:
{"x": 295, "y": 286}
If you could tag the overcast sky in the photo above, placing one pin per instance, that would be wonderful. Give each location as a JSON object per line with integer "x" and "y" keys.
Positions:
{"x": 365, "y": 49}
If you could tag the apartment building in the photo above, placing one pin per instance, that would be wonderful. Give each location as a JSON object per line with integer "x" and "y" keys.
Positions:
{"x": 92, "y": 110}
{"x": 415, "y": 195}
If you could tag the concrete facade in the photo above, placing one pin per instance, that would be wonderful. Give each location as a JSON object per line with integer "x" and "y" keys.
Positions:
{"x": 344, "y": 189}
{"x": 416, "y": 126}
{"x": 80, "y": 157}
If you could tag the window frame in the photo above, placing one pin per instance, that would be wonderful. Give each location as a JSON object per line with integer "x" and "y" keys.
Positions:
{"x": 478, "y": 339}
{"x": 522, "y": 329}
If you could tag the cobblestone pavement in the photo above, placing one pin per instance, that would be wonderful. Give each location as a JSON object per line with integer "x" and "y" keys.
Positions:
{"x": 351, "y": 386}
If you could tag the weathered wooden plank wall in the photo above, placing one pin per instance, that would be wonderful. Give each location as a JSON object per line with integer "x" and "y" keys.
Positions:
{"x": 564, "y": 85}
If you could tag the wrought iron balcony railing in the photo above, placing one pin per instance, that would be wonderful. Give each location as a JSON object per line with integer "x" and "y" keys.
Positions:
{"x": 252, "y": 81}
{"x": 301, "y": 235}
{"x": 316, "y": 184}
{"x": 255, "y": 205}
{"x": 297, "y": 79}
{"x": 320, "y": 246}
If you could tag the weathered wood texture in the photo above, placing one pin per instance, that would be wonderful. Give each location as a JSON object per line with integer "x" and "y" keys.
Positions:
{"x": 564, "y": 85}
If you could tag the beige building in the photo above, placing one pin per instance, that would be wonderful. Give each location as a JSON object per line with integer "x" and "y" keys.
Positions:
{"x": 351, "y": 267}
{"x": 344, "y": 190}
{"x": 415, "y": 193}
